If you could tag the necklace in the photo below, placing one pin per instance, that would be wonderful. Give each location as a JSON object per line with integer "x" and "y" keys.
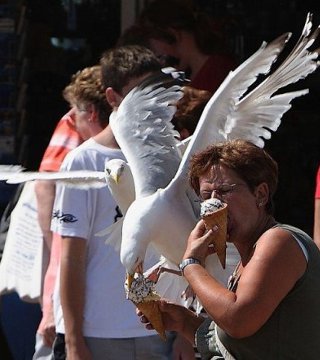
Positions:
{"x": 234, "y": 278}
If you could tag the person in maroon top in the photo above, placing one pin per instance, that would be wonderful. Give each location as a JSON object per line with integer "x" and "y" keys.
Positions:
{"x": 174, "y": 30}
{"x": 316, "y": 227}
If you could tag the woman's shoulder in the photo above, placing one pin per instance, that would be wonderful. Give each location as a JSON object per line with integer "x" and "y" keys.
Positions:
{"x": 285, "y": 241}
{"x": 281, "y": 241}
{"x": 294, "y": 231}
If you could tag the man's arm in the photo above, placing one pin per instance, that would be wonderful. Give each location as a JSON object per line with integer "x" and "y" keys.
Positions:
{"x": 72, "y": 294}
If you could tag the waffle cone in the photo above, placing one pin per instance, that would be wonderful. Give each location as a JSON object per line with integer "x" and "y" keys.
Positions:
{"x": 219, "y": 218}
{"x": 152, "y": 312}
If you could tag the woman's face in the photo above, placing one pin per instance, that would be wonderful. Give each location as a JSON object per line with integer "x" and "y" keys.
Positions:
{"x": 163, "y": 49}
{"x": 243, "y": 211}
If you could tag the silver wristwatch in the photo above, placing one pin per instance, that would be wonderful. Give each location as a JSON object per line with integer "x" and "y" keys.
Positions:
{"x": 187, "y": 262}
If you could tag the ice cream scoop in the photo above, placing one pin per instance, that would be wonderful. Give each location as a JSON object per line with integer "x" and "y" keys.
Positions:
{"x": 141, "y": 291}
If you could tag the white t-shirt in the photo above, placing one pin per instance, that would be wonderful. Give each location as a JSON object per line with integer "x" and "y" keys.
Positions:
{"x": 83, "y": 213}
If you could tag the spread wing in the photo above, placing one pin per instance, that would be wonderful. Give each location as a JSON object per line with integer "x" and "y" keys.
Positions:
{"x": 11, "y": 168}
{"x": 143, "y": 129}
{"x": 78, "y": 178}
{"x": 9, "y": 171}
{"x": 236, "y": 112}
{"x": 260, "y": 111}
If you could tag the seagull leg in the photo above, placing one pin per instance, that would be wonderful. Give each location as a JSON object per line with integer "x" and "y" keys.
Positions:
{"x": 139, "y": 268}
{"x": 155, "y": 274}
{"x": 188, "y": 293}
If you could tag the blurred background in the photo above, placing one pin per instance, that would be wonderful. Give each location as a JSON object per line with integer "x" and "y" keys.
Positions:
{"x": 43, "y": 42}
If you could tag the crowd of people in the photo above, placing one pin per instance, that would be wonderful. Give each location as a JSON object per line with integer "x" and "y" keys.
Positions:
{"x": 269, "y": 307}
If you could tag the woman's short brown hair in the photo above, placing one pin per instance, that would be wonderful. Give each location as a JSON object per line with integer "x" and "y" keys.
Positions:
{"x": 190, "y": 108}
{"x": 253, "y": 164}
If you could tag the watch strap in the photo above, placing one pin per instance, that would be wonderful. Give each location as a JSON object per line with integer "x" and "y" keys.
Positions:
{"x": 184, "y": 263}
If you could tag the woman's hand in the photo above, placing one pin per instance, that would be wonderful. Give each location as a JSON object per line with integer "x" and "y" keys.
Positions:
{"x": 173, "y": 316}
{"x": 48, "y": 326}
{"x": 200, "y": 243}
{"x": 49, "y": 333}
{"x": 176, "y": 318}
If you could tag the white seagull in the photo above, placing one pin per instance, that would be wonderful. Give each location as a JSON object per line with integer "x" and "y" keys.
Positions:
{"x": 166, "y": 209}
{"x": 121, "y": 185}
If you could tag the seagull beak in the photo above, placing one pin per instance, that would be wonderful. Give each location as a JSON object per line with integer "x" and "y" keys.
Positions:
{"x": 130, "y": 278}
{"x": 115, "y": 177}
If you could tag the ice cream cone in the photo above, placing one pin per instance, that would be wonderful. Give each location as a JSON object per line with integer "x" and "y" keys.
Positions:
{"x": 219, "y": 219}
{"x": 152, "y": 312}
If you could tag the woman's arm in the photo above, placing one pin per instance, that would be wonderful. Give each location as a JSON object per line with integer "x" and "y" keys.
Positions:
{"x": 276, "y": 265}
{"x": 45, "y": 194}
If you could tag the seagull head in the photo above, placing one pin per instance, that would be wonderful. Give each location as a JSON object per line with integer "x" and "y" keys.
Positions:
{"x": 133, "y": 266}
{"x": 130, "y": 275}
{"x": 120, "y": 182}
{"x": 114, "y": 169}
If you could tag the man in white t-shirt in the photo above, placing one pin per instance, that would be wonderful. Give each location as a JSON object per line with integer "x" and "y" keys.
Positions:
{"x": 93, "y": 318}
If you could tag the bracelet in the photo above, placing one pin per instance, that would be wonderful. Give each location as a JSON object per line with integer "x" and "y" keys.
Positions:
{"x": 187, "y": 262}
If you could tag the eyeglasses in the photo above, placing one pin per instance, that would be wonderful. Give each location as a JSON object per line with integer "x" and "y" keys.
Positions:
{"x": 223, "y": 191}
{"x": 81, "y": 110}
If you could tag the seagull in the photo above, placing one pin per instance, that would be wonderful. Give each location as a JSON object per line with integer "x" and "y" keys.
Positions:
{"x": 166, "y": 209}
{"x": 121, "y": 185}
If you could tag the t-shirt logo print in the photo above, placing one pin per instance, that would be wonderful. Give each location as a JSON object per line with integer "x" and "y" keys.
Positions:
{"x": 66, "y": 218}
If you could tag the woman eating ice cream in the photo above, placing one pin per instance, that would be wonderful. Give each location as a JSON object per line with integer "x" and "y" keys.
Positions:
{"x": 271, "y": 307}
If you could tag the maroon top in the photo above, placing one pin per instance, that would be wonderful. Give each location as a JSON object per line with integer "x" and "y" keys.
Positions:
{"x": 213, "y": 72}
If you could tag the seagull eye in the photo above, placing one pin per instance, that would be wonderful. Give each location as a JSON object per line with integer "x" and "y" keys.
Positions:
{"x": 108, "y": 171}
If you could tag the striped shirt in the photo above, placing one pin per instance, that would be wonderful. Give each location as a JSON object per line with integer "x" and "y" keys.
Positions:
{"x": 64, "y": 139}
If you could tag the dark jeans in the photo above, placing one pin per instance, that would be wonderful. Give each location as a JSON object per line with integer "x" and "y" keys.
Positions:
{"x": 19, "y": 321}
{"x": 59, "y": 348}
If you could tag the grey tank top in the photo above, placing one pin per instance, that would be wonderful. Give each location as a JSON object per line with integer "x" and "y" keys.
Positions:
{"x": 293, "y": 330}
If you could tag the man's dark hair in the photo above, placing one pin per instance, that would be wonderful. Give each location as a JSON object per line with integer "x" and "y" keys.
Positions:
{"x": 122, "y": 64}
